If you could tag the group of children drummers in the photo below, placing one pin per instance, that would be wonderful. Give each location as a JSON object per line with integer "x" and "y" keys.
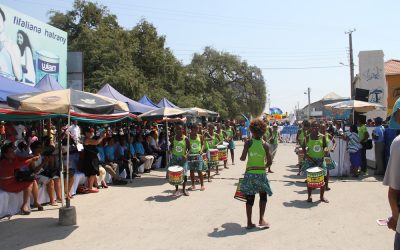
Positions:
{"x": 314, "y": 147}
{"x": 199, "y": 151}
{"x": 196, "y": 153}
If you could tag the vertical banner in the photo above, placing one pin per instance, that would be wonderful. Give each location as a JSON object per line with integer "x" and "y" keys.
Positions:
{"x": 372, "y": 78}
{"x": 30, "y": 49}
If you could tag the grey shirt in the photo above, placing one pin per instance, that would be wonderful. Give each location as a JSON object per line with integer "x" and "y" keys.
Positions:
{"x": 392, "y": 176}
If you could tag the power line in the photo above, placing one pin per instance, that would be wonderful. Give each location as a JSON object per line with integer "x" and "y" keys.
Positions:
{"x": 312, "y": 67}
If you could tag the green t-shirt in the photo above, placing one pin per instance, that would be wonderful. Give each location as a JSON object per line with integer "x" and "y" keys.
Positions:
{"x": 316, "y": 148}
{"x": 256, "y": 161}
{"x": 179, "y": 147}
{"x": 195, "y": 145}
{"x": 361, "y": 132}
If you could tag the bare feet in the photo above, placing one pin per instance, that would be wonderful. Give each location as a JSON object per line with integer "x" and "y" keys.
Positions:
{"x": 309, "y": 199}
{"x": 270, "y": 171}
{"x": 226, "y": 167}
{"x": 323, "y": 199}
{"x": 263, "y": 224}
{"x": 250, "y": 226}
{"x": 217, "y": 173}
{"x": 176, "y": 193}
{"x": 202, "y": 188}
{"x": 192, "y": 188}
{"x": 185, "y": 193}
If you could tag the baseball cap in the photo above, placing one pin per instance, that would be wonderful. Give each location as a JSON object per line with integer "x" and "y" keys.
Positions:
{"x": 393, "y": 124}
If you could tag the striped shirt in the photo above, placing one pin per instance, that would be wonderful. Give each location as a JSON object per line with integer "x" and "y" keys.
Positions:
{"x": 353, "y": 144}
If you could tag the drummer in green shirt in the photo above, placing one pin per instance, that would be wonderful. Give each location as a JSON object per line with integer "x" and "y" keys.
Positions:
{"x": 180, "y": 146}
{"x": 222, "y": 136}
{"x": 316, "y": 150}
{"x": 230, "y": 134}
{"x": 255, "y": 179}
{"x": 196, "y": 147}
{"x": 211, "y": 141}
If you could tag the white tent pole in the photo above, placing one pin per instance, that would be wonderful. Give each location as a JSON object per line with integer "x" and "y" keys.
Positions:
{"x": 67, "y": 170}
{"x": 61, "y": 162}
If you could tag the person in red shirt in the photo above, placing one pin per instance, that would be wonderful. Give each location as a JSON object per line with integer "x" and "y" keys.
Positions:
{"x": 9, "y": 163}
{"x": 2, "y": 131}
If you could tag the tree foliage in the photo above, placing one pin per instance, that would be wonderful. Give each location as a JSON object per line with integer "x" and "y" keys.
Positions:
{"x": 137, "y": 62}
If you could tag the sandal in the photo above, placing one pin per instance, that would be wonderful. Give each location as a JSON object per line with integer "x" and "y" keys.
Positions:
{"x": 24, "y": 212}
{"x": 39, "y": 207}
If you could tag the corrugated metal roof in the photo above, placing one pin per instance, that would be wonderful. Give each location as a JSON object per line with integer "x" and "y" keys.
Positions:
{"x": 392, "y": 67}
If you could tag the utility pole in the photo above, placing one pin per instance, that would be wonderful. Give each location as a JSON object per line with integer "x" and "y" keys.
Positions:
{"x": 352, "y": 89}
{"x": 309, "y": 101}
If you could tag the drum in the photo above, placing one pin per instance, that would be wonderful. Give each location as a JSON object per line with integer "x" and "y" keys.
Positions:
{"x": 226, "y": 144}
{"x": 213, "y": 154}
{"x": 238, "y": 194}
{"x": 175, "y": 175}
{"x": 222, "y": 153}
{"x": 300, "y": 155}
{"x": 194, "y": 157}
{"x": 315, "y": 177}
{"x": 205, "y": 162}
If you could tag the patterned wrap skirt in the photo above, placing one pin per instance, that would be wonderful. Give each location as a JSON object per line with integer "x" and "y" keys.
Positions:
{"x": 255, "y": 183}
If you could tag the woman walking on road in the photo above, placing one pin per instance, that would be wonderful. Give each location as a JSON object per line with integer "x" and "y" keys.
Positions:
{"x": 255, "y": 179}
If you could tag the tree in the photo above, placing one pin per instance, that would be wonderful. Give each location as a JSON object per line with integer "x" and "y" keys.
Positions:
{"x": 137, "y": 62}
{"x": 232, "y": 85}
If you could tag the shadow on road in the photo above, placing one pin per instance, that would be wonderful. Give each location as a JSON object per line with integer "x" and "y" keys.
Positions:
{"x": 162, "y": 198}
{"x": 231, "y": 229}
{"x": 300, "y": 204}
{"x": 147, "y": 181}
{"x": 29, "y": 232}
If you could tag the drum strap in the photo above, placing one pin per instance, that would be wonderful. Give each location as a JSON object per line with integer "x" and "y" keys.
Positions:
{"x": 255, "y": 168}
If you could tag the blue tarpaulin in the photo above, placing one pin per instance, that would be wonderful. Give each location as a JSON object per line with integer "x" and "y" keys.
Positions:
{"x": 146, "y": 101}
{"x": 48, "y": 83}
{"x": 165, "y": 103}
{"x": 10, "y": 87}
{"x": 134, "y": 107}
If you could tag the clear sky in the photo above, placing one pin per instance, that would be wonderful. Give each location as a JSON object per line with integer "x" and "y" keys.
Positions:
{"x": 298, "y": 44}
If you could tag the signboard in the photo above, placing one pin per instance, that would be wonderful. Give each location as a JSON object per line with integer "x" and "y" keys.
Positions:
{"x": 372, "y": 78}
{"x": 30, "y": 49}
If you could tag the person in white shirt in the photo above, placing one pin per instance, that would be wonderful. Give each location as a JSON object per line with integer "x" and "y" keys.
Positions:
{"x": 75, "y": 132}
{"x": 20, "y": 129}
{"x": 392, "y": 176}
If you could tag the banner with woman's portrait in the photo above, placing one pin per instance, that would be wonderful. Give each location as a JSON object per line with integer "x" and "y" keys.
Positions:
{"x": 31, "y": 49}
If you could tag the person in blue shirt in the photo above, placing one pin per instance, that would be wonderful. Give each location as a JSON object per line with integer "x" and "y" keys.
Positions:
{"x": 110, "y": 167}
{"x": 122, "y": 156}
{"x": 389, "y": 136}
{"x": 244, "y": 132}
{"x": 141, "y": 154}
{"x": 133, "y": 156}
{"x": 378, "y": 135}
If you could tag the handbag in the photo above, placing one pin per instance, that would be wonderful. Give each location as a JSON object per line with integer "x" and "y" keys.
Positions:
{"x": 368, "y": 144}
{"x": 27, "y": 175}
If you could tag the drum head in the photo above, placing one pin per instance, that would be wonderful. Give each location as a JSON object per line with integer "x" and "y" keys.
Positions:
{"x": 213, "y": 150}
{"x": 314, "y": 170}
{"x": 175, "y": 168}
{"x": 221, "y": 147}
{"x": 193, "y": 155}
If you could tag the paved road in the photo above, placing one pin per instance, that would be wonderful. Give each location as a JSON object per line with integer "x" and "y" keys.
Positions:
{"x": 144, "y": 215}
